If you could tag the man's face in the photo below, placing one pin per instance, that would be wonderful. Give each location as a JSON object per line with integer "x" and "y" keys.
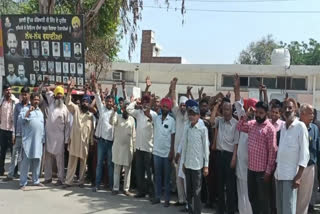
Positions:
{"x": 12, "y": 43}
{"x": 227, "y": 111}
{"x": 261, "y": 115}
{"x": 146, "y": 105}
{"x": 11, "y": 69}
{"x": 59, "y": 96}
{"x": 182, "y": 108}
{"x": 25, "y": 97}
{"x": 7, "y": 92}
{"x": 289, "y": 110}
{"x": 21, "y": 72}
{"x": 275, "y": 114}
{"x": 35, "y": 102}
{"x": 109, "y": 103}
{"x": 193, "y": 117}
{"x": 204, "y": 107}
{"x": 165, "y": 109}
{"x": 307, "y": 116}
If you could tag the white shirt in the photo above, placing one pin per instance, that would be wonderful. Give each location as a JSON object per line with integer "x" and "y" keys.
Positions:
{"x": 181, "y": 121}
{"x": 144, "y": 131}
{"x": 104, "y": 128}
{"x": 228, "y": 134}
{"x": 293, "y": 150}
{"x": 162, "y": 135}
{"x": 196, "y": 146}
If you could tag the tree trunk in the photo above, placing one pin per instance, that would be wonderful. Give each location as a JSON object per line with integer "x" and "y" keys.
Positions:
{"x": 46, "y": 6}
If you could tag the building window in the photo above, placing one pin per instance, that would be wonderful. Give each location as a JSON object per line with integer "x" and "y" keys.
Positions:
{"x": 254, "y": 82}
{"x": 117, "y": 75}
{"x": 227, "y": 81}
{"x": 270, "y": 82}
{"x": 298, "y": 84}
{"x": 282, "y": 84}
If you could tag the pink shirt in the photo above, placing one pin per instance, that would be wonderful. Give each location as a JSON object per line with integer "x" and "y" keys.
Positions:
{"x": 6, "y": 117}
{"x": 262, "y": 145}
{"x": 278, "y": 124}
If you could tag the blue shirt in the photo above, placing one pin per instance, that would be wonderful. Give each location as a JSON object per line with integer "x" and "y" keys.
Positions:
{"x": 33, "y": 133}
{"x": 17, "y": 121}
{"x": 313, "y": 143}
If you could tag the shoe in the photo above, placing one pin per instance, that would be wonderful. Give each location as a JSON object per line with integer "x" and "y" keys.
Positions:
{"x": 39, "y": 185}
{"x": 155, "y": 201}
{"x": 127, "y": 193}
{"x": 140, "y": 195}
{"x": 65, "y": 186}
{"x": 7, "y": 179}
{"x": 115, "y": 192}
{"x": 58, "y": 183}
{"x": 23, "y": 188}
{"x": 16, "y": 176}
{"x": 178, "y": 204}
{"x": 94, "y": 189}
{"x": 166, "y": 203}
{"x": 47, "y": 181}
{"x": 81, "y": 185}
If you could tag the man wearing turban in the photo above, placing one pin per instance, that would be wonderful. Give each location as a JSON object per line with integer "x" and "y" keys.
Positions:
{"x": 57, "y": 134}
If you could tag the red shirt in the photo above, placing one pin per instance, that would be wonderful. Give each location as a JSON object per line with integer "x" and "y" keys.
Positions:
{"x": 262, "y": 145}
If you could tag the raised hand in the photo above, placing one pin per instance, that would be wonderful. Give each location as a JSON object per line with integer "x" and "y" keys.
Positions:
{"x": 236, "y": 81}
{"x": 148, "y": 81}
{"x": 123, "y": 83}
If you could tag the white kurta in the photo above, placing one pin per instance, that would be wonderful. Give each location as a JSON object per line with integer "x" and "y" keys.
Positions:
{"x": 124, "y": 139}
{"x": 57, "y": 126}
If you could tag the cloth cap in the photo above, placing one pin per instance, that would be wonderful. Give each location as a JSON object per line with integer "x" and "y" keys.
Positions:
{"x": 251, "y": 102}
{"x": 183, "y": 100}
{"x": 58, "y": 90}
{"x": 167, "y": 102}
{"x": 87, "y": 98}
{"x": 193, "y": 106}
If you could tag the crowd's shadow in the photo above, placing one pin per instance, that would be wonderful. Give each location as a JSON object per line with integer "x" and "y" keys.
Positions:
{"x": 96, "y": 202}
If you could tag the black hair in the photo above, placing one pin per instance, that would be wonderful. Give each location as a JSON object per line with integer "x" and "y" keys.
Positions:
{"x": 226, "y": 100}
{"x": 262, "y": 105}
{"x": 34, "y": 94}
{"x": 5, "y": 87}
{"x": 120, "y": 99}
{"x": 204, "y": 100}
{"x": 25, "y": 89}
{"x": 11, "y": 31}
{"x": 276, "y": 105}
{"x": 109, "y": 97}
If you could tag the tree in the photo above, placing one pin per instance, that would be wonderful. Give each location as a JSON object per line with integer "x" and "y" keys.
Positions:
{"x": 258, "y": 53}
{"x": 302, "y": 53}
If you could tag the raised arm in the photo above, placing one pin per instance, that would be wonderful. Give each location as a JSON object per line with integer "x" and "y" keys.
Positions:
{"x": 214, "y": 113}
{"x": 200, "y": 92}
{"x": 70, "y": 105}
{"x": 123, "y": 83}
{"x": 148, "y": 84}
{"x": 189, "y": 93}
{"x": 131, "y": 109}
{"x": 236, "y": 88}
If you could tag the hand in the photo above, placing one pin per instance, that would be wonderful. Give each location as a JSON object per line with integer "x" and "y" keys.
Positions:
{"x": 106, "y": 91}
{"x": 262, "y": 88}
{"x": 228, "y": 95}
{"x": 131, "y": 98}
{"x": 123, "y": 83}
{"x": 217, "y": 104}
{"x": 115, "y": 108}
{"x": 233, "y": 163}
{"x": 236, "y": 81}
{"x": 148, "y": 81}
{"x": 71, "y": 83}
{"x": 267, "y": 178}
{"x": 100, "y": 87}
{"x": 205, "y": 171}
{"x": 189, "y": 88}
{"x": 296, "y": 183}
{"x": 13, "y": 140}
{"x": 177, "y": 158}
{"x": 200, "y": 91}
{"x": 31, "y": 108}
{"x": 171, "y": 156}
{"x": 213, "y": 147}
{"x": 114, "y": 86}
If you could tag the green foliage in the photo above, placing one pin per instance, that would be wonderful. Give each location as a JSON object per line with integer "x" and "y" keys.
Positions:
{"x": 302, "y": 53}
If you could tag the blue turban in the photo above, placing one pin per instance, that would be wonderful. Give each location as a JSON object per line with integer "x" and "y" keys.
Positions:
{"x": 87, "y": 98}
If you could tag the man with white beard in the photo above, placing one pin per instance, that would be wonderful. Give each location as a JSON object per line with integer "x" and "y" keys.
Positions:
{"x": 57, "y": 134}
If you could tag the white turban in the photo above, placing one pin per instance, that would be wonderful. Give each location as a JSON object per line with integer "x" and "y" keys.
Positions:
{"x": 183, "y": 100}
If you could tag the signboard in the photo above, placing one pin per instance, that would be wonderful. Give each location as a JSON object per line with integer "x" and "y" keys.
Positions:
{"x": 39, "y": 46}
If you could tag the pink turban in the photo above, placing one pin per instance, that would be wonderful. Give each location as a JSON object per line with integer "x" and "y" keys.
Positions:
{"x": 167, "y": 102}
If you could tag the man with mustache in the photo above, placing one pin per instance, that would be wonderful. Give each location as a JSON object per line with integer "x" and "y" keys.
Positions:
{"x": 262, "y": 147}
{"x": 57, "y": 133}
{"x": 307, "y": 179}
{"x": 292, "y": 159}
{"x": 80, "y": 137}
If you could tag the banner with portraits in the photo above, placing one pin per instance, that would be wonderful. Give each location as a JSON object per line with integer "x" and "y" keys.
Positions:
{"x": 40, "y": 46}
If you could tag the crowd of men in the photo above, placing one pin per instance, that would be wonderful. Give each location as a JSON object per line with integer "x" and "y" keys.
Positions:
{"x": 250, "y": 156}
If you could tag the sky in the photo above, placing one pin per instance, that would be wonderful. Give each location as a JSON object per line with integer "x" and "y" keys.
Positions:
{"x": 208, "y": 37}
